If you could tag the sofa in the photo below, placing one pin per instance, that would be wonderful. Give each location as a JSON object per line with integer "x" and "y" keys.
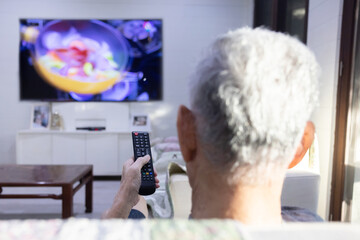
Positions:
{"x": 301, "y": 189}
{"x": 171, "y": 229}
{"x": 173, "y": 199}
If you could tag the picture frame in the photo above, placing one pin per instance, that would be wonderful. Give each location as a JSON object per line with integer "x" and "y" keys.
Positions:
{"x": 40, "y": 117}
{"x": 140, "y": 122}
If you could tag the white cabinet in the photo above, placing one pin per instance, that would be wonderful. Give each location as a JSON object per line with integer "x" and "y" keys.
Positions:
{"x": 34, "y": 149}
{"x": 106, "y": 151}
{"x": 68, "y": 148}
{"x": 101, "y": 151}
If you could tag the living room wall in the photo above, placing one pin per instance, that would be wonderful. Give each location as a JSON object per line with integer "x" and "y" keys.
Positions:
{"x": 188, "y": 26}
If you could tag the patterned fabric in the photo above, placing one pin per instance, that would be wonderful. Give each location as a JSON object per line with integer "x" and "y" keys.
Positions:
{"x": 91, "y": 229}
{"x": 104, "y": 229}
{"x": 164, "y": 151}
{"x": 190, "y": 229}
{"x": 30, "y": 229}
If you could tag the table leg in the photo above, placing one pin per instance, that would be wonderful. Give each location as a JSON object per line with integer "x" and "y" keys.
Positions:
{"x": 89, "y": 195}
{"x": 67, "y": 201}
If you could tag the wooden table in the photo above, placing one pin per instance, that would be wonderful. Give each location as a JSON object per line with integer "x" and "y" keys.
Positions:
{"x": 64, "y": 176}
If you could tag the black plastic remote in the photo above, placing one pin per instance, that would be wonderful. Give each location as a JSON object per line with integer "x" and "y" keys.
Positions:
{"x": 141, "y": 145}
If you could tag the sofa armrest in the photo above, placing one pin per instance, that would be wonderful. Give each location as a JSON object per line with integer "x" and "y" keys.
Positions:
{"x": 180, "y": 191}
{"x": 301, "y": 189}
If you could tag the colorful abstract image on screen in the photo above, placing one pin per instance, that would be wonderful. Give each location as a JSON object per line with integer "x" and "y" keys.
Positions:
{"x": 91, "y": 60}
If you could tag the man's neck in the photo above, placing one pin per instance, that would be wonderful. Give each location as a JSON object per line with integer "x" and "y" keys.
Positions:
{"x": 249, "y": 204}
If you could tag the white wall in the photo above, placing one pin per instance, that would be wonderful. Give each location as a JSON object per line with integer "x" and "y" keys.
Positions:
{"x": 324, "y": 39}
{"x": 188, "y": 26}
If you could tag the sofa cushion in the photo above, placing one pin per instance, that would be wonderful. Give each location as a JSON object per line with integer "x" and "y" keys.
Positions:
{"x": 301, "y": 189}
{"x": 91, "y": 229}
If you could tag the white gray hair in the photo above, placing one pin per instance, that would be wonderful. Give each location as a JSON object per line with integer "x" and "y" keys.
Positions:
{"x": 252, "y": 94}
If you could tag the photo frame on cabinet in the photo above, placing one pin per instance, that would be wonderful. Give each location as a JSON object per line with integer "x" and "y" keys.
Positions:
{"x": 40, "y": 116}
{"x": 140, "y": 122}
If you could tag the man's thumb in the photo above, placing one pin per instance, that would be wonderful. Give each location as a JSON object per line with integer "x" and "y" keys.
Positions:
{"x": 141, "y": 161}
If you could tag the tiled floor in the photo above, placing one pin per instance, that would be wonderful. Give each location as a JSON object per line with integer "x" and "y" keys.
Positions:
{"x": 103, "y": 195}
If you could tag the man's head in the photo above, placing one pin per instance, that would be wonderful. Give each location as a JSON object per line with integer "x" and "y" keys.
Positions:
{"x": 251, "y": 97}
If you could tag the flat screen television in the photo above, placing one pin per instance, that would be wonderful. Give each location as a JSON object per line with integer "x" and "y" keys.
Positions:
{"x": 91, "y": 60}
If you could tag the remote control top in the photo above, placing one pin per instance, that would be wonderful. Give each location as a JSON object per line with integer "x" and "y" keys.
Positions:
{"x": 141, "y": 145}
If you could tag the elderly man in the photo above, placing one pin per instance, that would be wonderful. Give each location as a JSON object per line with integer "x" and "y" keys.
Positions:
{"x": 251, "y": 99}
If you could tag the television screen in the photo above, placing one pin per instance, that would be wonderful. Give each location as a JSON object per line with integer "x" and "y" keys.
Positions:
{"x": 91, "y": 60}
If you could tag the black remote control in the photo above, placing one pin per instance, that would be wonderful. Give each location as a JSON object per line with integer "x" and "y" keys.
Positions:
{"x": 141, "y": 145}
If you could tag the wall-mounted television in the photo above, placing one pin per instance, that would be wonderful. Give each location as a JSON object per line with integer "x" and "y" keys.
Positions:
{"x": 91, "y": 60}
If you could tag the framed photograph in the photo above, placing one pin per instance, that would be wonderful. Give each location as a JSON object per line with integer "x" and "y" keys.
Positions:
{"x": 40, "y": 116}
{"x": 140, "y": 122}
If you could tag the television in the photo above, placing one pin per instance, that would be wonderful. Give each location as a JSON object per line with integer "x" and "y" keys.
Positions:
{"x": 90, "y": 60}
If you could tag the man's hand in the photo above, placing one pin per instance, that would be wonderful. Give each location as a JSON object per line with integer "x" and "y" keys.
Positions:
{"x": 128, "y": 196}
{"x": 131, "y": 177}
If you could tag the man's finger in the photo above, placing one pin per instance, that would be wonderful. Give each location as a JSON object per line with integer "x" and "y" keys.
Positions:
{"x": 155, "y": 172}
{"x": 141, "y": 161}
{"x": 129, "y": 162}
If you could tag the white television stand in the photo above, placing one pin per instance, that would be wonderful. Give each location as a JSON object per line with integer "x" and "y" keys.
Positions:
{"x": 105, "y": 150}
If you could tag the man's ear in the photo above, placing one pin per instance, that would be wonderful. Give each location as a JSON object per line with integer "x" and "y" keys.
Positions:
{"x": 186, "y": 132}
{"x": 306, "y": 141}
